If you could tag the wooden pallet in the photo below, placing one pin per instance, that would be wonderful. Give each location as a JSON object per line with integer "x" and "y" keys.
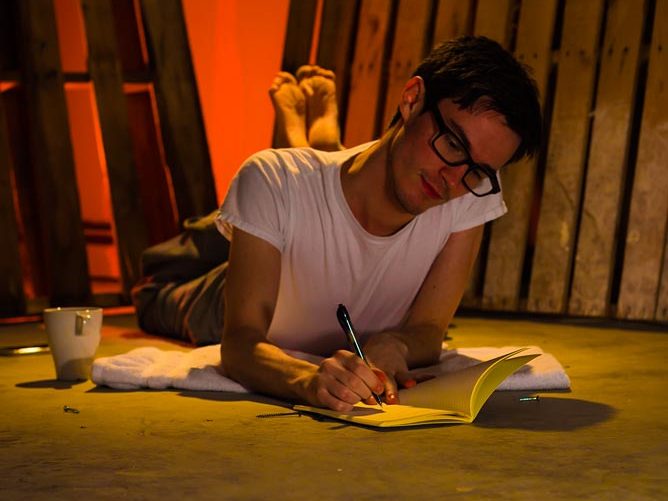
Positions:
{"x": 586, "y": 230}
{"x": 155, "y": 151}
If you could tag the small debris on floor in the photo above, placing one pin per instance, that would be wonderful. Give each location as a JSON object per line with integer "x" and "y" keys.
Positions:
{"x": 67, "y": 408}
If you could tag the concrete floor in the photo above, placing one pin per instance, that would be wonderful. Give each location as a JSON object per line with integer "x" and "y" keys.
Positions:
{"x": 607, "y": 439}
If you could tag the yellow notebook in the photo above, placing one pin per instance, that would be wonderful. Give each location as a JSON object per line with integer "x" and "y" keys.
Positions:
{"x": 455, "y": 397}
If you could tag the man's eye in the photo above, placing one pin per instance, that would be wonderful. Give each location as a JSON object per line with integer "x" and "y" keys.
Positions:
{"x": 453, "y": 143}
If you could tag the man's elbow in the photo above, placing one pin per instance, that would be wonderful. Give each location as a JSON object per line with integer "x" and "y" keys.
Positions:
{"x": 236, "y": 351}
{"x": 231, "y": 356}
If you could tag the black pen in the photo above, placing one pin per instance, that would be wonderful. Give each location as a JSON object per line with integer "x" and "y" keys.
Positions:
{"x": 347, "y": 326}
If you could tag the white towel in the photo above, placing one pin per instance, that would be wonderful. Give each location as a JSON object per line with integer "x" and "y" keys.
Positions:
{"x": 196, "y": 369}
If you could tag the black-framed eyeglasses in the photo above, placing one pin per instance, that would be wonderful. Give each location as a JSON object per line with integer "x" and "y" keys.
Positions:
{"x": 478, "y": 179}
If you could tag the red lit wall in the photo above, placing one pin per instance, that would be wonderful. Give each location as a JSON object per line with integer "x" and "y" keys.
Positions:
{"x": 236, "y": 48}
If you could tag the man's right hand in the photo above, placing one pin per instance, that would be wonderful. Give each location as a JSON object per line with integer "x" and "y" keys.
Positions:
{"x": 341, "y": 381}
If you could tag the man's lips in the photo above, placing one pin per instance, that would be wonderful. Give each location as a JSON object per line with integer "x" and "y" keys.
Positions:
{"x": 429, "y": 190}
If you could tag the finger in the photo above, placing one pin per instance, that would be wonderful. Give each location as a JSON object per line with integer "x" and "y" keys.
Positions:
{"x": 390, "y": 393}
{"x": 421, "y": 378}
{"x": 409, "y": 380}
{"x": 359, "y": 367}
{"x": 338, "y": 367}
{"x": 326, "y": 399}
{"x": 409, "y": 383}
{"x": 342, "y": 392}
{"x": 370, "y": 401}
{"x": 405, "y": 379}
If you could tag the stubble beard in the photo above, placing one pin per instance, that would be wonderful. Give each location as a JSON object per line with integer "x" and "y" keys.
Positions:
{"x": 397, "y": 198}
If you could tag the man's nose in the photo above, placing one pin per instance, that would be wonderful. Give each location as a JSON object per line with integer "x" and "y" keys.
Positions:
{"x": 453, "y": 175}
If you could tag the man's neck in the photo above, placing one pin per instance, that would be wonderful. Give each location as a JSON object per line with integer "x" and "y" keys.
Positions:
{"x": 365, "y": 187}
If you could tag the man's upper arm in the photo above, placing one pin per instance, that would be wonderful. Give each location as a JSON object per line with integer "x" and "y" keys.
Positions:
{"x": 251, "y": 286}
{"x": 444, "y": 285}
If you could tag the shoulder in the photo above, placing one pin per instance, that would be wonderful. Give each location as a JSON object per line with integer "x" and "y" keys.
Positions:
{"x": 276, "y": 165}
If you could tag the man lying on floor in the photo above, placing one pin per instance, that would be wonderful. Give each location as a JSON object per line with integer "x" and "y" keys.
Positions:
{"x": 390, "y": 228}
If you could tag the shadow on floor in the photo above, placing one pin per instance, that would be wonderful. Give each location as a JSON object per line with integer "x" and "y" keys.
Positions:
{"x": 502, "y": 410}
{"x": 548, "y": 413}
{"x": 49, "y": 383}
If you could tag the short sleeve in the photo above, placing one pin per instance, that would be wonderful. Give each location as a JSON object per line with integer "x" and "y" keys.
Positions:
{"x": 471, "y": 211}
{"x": 255, "y": 201}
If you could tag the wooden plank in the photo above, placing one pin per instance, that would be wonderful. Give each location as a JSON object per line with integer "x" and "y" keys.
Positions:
{"x": 52, "y": 156}
{"x": 31, "y": 249}
{"x": 298, "y": 42}
{"x": 9, "y": 55}
{"x": 564, "y": 171}
{"x": 105, "y": 71}
{"x": 154, "y": 176}
{"x": 299, "y": 34}
{"x": 454, "y": 18}
{"x": 130, "y": 44}
{"x": 608, "y": 155}
{"x": 493, "y": 19}
{"x": 335, "y": 43}
{"x": 648, "y": 218}
{"x": 662, "y": 300}
{"x": 508, "y": 240}
{"x": 12, "y": 297}
{"x": 181, "y": 121}
{"x": 408, "y": 49}
{"x": 367, "y": 71}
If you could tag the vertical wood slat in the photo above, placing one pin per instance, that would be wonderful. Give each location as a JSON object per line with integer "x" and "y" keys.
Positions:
{"x": 648, "y": 218}
{"x": 299, "y": 34}
{"x": 12, "y": 297}
{"x": 454, "y": 18}
{"x": 595, "y": 255}
{"x": 9, "y": 57}
{"x": 181, "y": 120}
{"x": 52, "y": 156}
{"x": 662, "y": 300}
{"x": 335, "y": 46}
{"x": 509, "y": 234}
{"x": 560, "y": 203}
{"x": 367, "y": 71}
{"x": 153, "y": 176}
{"x": 105, "y": 71}
{"x": 30, "y": 240}
{"x": 408, "y": 49}
{"x": 493, "y": 20}
{"x": 298, "y": 42}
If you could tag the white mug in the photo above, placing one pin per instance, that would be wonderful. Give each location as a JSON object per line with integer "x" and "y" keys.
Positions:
{"x": 74, "y": 335}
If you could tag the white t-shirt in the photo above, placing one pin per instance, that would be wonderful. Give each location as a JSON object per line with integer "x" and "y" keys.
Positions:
{"x": 293, "y": 199}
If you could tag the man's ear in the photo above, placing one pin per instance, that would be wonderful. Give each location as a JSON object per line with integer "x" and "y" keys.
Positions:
{"x": 412, "y": 98}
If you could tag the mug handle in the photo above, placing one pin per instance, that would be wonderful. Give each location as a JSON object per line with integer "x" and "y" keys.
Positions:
{"x": 81, "y": 319}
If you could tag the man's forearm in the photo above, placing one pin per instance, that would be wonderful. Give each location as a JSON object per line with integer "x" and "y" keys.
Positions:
{"x": 399, "y": 350}
{"x": 419, "y": 346}
{"x": 263, "y": 367}
{"x": 423, "y": 343}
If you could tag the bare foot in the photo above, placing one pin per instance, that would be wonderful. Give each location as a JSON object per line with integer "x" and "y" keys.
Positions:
{"x": 290, "y": 108}
{"x": 322, "y": 113}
